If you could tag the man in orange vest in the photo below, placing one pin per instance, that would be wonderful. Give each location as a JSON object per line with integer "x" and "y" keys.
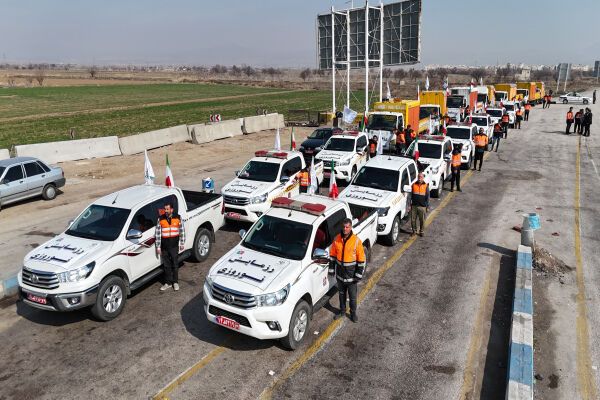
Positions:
{"x": 549, "y": 100}
{"x": 545, "y": 102}
{"x": 169, "y": 241}
{"x": 570, "y": 119}
{"x": 304, "y": 179}
{"x": 456, "y": 162}
{"x": 527, "y": 108}
{"x": 401, "y": 142}
{"x": 373, "y": 146}
{"x": 518, "y": 117}
{"x": 497, "y": 136}
{"x": 481, "y": 141}
{"x": 347, "y": 262}
{"x": 505, "y": 120}
{"x": 418, "y": 204}
{"x": 409, "y": 135}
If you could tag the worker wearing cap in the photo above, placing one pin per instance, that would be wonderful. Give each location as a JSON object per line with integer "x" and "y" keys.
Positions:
{"x": 347, "y": 262}
{"x": 481, "y": 141}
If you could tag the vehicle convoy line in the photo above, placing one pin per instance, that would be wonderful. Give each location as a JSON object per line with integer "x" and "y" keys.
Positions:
{"x": 585, "y": 376}
{"x": 335, "y": 325}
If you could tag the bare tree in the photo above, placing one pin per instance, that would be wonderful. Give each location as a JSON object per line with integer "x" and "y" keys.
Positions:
{"x": 11, "y": 81}
{"x": 40, "y": 75}
{"x": 29, "y": 79}
{"x": 271, "y": 71}
{"x": 414, "y": 74}
{"x": 248, "y": 70}
{"x": 387, "y": 72}
{"x": 305, "y": 74}
{"x": 218, "y": 69}
{"x": 399, "y": 74}
{"x": 93, "y": 71}
{"x": 235, "y": 70}
{"x": 478, "y": 73}
{"x": 318, "y": 72}
{"x": 504, "y": 72}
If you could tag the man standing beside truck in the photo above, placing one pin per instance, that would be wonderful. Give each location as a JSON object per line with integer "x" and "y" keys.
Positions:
{"x": 481, "y": 141}
{"x": 497, "y": 136}
{"x": 418, "y": 204}
{"x": 169, "y": 240}
{"x": 347, "y": 261}
{"x": 527, "y": 108}
{"x": 455, "y": 167}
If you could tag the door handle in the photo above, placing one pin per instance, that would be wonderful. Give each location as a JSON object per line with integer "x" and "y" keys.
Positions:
{"x": 44, "y": 175}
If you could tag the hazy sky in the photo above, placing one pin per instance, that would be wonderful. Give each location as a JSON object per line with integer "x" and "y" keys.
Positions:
{"x": 282, "y": 32}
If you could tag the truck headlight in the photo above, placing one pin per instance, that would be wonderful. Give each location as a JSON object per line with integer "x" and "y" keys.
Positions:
{"x": 273, "y": 299}
{"x": 435, "y": 170}
{"x": 259, "y": 199}
{"x": 383, "y": 211}
{"x": 319, "y": 148}
{"x": 76, "y": 275}
{"x": 344, "y": 162}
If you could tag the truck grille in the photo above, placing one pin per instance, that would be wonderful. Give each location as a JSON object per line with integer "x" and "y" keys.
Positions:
{"x": 39, "y": 279}
{"x": 238, "y": 201}
{"x": 241, "y": 300}
{"x": 222, "y": 313}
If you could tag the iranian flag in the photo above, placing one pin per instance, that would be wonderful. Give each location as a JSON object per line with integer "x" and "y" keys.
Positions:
{"x": 418, "y": 90}
{"x": 292, "y": 140}
{"x": 333, "y": 189}
{"x": 415, "y": 150}
{"x": 169, "y": 175}
{"x": 472, "y": 87}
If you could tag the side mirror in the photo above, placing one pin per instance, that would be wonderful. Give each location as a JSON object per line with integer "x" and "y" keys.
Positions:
{"x": 407, "y": 188}
{"x": 237, "y": 172}
{"x": 242, "y": 233}
{"x": 70, "y": 223}
{"x": 284, "y": 179}
{"x": 134, "y": 234}
{"x": 446, "y": 157}
{"x": 321, "y": 256}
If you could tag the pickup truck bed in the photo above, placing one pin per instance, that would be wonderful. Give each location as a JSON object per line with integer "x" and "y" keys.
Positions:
{"x": 194, "y": 199}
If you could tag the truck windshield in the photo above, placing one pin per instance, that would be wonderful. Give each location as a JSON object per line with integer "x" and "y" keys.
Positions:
{"x": 279, "y": 237}
{"x": 429, "y": 150}
{"x": 524, "y": 92}
{"x": 456, "y": 133}
{"x": 454, "y": 102}
{"x": 99, "y": 223}
{"x": 480, "y": 121}
{"x": 482, "y": 97}
{"x": 381, "y": 122}
{"x": 260, "y": 171}
{"x": 500, "y": 96}
{"x": 426, "y": 111}
{"x": 494, "y": 113}
{"x": 340, "y": 144}
{"x": 320, "y": 134}
{"x": 509, "y": 107}
{"x": 377, "y": 178}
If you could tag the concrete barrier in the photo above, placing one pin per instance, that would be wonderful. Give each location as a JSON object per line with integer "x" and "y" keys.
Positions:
{"x": 135, "y": 144}
{"x": 263, "y": 122}
{"x": 204, "y": 133}
{"x": 520, "y": 357}
{"x": 4, "y": 154}
{"x": 71, "y": 150}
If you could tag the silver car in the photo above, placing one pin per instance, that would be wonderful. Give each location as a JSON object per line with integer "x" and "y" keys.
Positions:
{"x": 25, "y": 177}
{"x": 575, "y": 97}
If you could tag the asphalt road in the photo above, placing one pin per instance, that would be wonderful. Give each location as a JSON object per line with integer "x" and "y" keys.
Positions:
{"x": 433, "y": 325}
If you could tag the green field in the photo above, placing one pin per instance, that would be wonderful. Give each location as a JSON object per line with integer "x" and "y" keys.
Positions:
{"x": 132, "y": 121}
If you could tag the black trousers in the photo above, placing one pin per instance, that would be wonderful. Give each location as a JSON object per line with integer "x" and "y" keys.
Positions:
{"x": 569, "y": 122}
{"x": 505, "y": 128}
{"x": 577, "y": 127}
{"x": 478, "y": 157}
{"x": 586, "y": 129}
{"x": 303, "y": 189}
{"x": 526, "y": 115}
{"x": 518, "y": 122}
{"x": 455, "y": 178}
{"x": 351, "y": 289}
{"x": 170, "y": 257}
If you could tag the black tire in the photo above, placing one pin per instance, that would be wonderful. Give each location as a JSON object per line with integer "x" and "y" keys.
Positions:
{"x": 468, "y": 164}
{"x": 49, "y": 192}
{"x": 202, "y": 244}
{"x": 112, "y": 295}
{"x": 391, "y": 238}
{"x": 300, "y": 320}
{"x": 565, "y": 101}
{"x": 585, "y": 101}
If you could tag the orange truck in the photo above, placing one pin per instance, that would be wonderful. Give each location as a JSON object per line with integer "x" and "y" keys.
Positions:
{"x": 388, "y": 117}
{"x": 526, "y": 91}
{"x": 505, "y": 92}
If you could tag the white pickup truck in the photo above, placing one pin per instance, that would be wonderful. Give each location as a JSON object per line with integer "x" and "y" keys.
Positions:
{"x": 463, "y": 134}
{"x": 109, "y": 251}
{"x": 267, "y": 176}
{"x": 511, "y": 110}
{"x": 484, "y": 121}
{"x": 495, "y": 114}
{"x": 434, "y": 160}
{"x": 348, "y": 150}
{"x": 380, "y": 185}
{"x": 267, "y": 285}
{"x": 384, "y": 125}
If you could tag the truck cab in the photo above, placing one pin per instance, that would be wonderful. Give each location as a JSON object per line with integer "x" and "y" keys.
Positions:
{"x": 384, "y": 125}
{"x": 483, "y": 121}
{"x": 270, "y": 174}
{"x": 109, "y": 251}
{"x": 455, "y": 103}
{"x": 495, "y": 113}
{"x": 500, "y": 97}
{"x": 433, "y": 160}
{"x": 379, "y": 185}
{"x": 463, "y": 134}
{"x": 267, "y": 285}
{"x": 523, "y": 94}
{"x": 511, "y": 110}
{"x": 347, "y": 151}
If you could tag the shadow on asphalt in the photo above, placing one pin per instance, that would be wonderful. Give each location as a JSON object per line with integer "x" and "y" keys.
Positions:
{"x": 52, "y": 318}
{"x": 33, "y": 199}
{"x": 494, "y": 374}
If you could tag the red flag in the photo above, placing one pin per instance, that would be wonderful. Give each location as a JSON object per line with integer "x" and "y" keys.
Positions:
{"x": 169, "y": 174}
{"x": 72, "y": 134}
{"x": 333, "y": 189}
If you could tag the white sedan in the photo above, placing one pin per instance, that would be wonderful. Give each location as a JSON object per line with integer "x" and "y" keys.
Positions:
{"x": 575, "y": 97}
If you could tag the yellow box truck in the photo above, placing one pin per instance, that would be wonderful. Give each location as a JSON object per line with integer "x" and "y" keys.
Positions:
{"x": 505, "y": 92}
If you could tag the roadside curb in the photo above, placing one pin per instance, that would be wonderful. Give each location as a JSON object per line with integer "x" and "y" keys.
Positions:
{"x": 520, "y": 354}
{"x": 9, "y": 287}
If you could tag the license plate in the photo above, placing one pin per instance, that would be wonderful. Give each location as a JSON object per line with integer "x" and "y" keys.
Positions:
{"x": 308, "y": 151}
{"x": 327, "y": 174}
{"x": 37, "y": 299}
{"x": 233, "y": 215}
{"x": 228, "y": 323}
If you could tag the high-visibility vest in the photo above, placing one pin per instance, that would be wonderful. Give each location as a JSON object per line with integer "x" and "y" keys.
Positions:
{"x": 505, "y": 118}
{"x": 497, "y": 128}
{"x": 372, "y": 148}
{"x": 519, "y": 112}
{"x": 169, "y": 231}
{"x": 419, "y": 189}
{"x": 480, "y": 140}
{"x": 402, "y": 137}
{"x": 569, "y": 115}
{"x": 352, "y": 252}
{"x": 527, "y": 107}
{"x": 456, "y": 160}
{"x": 304, "y": 179}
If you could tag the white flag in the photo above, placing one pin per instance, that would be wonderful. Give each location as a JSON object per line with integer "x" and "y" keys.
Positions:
{"x": 314, "y": 183}
{"x": 349, "y": 115}
{"x": 380, "y": 146}
{"x": 148, "y": 171}
{"x": 427, "y": 83}
{"x": 480, "y": 81}
{"x": 388, "y": 94}
{"x": 277, "y": 141}
{"x": 446, "y": 83}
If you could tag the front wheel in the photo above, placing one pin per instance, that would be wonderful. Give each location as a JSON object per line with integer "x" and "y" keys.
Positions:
{"x": 565, "y": 101}
{"x": 299, "y": 325}
{"x": 391, "y": 238}
{"x": 202, "y": 244}
{"x": 585, "y": 101}
{"x": 111, "y": 299}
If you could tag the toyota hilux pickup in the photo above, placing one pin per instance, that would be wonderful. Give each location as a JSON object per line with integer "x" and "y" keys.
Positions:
{"x": 483, "y": 121}
{"x": 495, "y": 113}
{"x": 434, "y": 160}
{"x": 347, "y": 151}
{"x": 267, "y": 285}
{"x": 511, "y": 110}
{"x": 379, "y": 185}
{"x": 108, "y": 250}
{"x": 267, "y": 176}
{"x": 463, "y": 134}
